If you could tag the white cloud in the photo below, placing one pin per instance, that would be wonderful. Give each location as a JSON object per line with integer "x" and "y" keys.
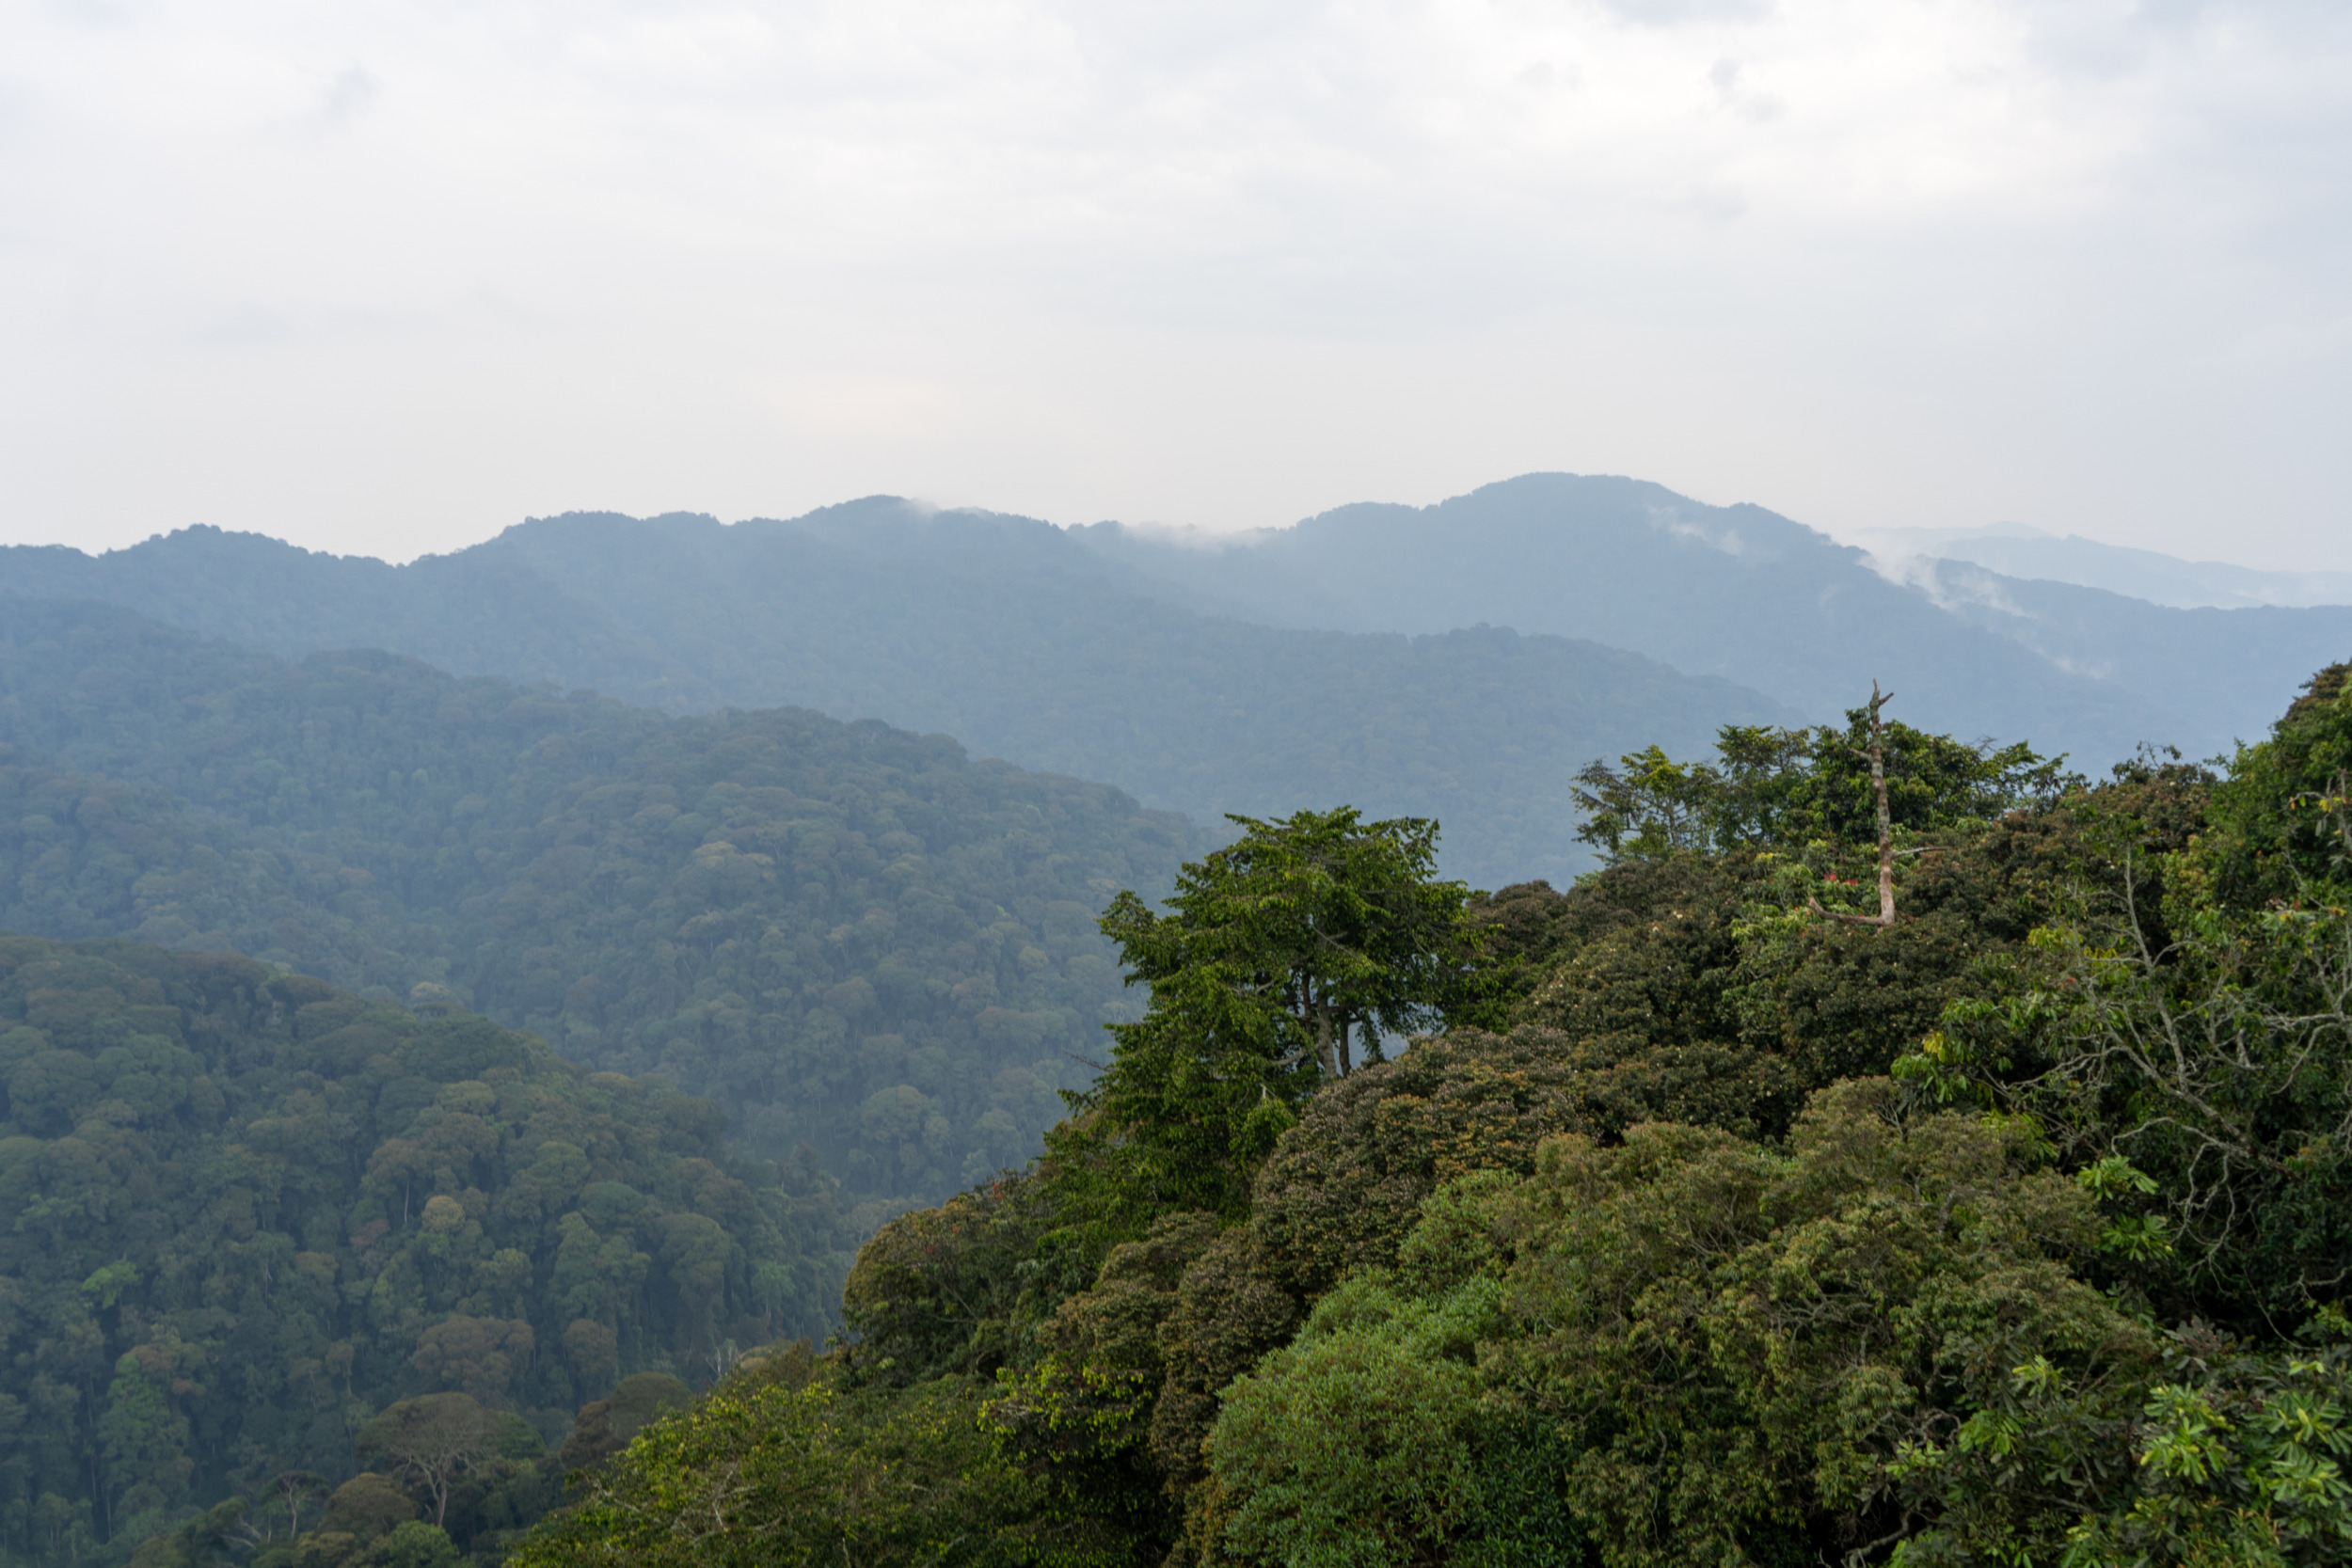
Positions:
{"x": 388, "y": 277}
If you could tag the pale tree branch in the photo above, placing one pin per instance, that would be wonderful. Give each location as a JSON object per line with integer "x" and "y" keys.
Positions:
{"x": 1877, "y": 754}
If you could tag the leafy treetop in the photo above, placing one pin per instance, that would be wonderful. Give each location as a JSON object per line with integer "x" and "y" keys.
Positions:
{"x": 1286, "y": 957}
{"x": 1793, "y": 785}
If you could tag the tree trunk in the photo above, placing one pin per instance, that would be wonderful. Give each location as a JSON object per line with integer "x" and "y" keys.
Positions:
{"x": 1886, "y": 821}
{"x": 1886, "y": 917}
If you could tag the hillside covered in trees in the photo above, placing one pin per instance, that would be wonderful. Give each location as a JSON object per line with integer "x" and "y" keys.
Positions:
{"x": 1269, "y": 671}
{"x": 1743, "y": 593}
{"x": 858, "y": 939}
{"x": 1947, "y": 1173}
{"x": 1007, "y": 633}
{"x": 250, "y": 1214}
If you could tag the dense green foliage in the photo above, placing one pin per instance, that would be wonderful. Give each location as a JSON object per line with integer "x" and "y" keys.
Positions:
{"x": 2009, "y": 1233}
{"x": 1790, "y": 786}
{"x": 2193, "y": 1049}
{"x": 2281, "y": 823}
{"x": 1698, "y": 1225}
{"x": 855, "y": 938}
{"x": 1283, "y": 955}
{"x": 779, "y": 1468}
{"x": 247, "y": 1212}
{"x": 1735, "y": 1354}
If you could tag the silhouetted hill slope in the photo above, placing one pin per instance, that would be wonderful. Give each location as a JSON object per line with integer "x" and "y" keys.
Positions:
{"x": 248, "y": 1211}
{"x": 482, "y": 616}
{"x": 854, "y": 937}
{"x": 2198, "y": 659}
{"x": 1006, "y": 632}
{"x": 1736, "y": 592}
{"x": 2030, "y": 555}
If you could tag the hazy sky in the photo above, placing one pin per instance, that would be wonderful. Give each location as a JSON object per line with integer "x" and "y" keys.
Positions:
{"x": 387, "y": 277}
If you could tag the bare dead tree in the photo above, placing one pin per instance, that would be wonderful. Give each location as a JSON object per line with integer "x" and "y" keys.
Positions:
{"x": 432, "y": 1441}
{"x": 1877, "y": 753}
{"x": 2230, "y": 1053}
{"x": 293, "y": 1489}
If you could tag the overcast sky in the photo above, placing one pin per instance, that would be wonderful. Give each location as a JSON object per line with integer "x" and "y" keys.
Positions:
{"x": 387, "y": 277}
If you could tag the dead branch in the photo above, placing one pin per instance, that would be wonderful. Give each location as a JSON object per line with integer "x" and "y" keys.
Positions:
{"x": 1877, "y": 753}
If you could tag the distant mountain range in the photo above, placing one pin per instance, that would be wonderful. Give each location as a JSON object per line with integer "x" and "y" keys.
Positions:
{"x": 1460, "y": 661}
{"x": 1744, "y": 594}
{"x": 2016, "y": 551}
{"x": 1014, "y": 636}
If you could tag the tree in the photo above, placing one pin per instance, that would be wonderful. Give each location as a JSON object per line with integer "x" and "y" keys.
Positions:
{"x": 604, "y": 1427}
{"x": 432, "y": 1442}
{"x": 762, "y": 1471}
{"x": 2241, "y": 1458}
{"x": 482, "y": 1357}
{"x": 1790, "y": 786}
{"x": 2281, "y": 828}
{"x": 1432, "y": 1471}
{"x": 1656, "y": 807}
{"x": 1323, "y": 930}
{"x": 210, "y": 1539}
{"x": 947, "y": 1289}
{"x": 290, "y": 1490}
{"x": 1742, "y": 1355}
{"x": 366, "y": 1507}
{"x": 1287, "y": 956}
{"x": 2203, "y": 1086}
{"x": 1876, "y": 752}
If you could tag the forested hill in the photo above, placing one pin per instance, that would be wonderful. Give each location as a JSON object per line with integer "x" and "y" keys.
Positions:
{"x": 1743, "y": 593}
{"x": 1005, "y": 633}
{"x": 856, "y": 938}
{"x": 2198, "y": 659}
{"x": 247, "y": 1212}
{"x": 1319, "y": 662}
{"x": 1900, "y": 1153}
{"x": 1307, "y": 663}
{"x": 470, "y": 616}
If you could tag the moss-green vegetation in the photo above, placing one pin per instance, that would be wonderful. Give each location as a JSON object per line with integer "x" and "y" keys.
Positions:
{"x": 854, "y": 938}
{"x": 2011, "y": 1232}
{"x": 249, "y": 1214}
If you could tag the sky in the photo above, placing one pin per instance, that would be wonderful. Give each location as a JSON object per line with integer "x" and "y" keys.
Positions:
{"x": 385, "y": 278}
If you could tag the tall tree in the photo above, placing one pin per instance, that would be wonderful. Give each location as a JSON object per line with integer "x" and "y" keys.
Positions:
{"x": 1792, "y": 787}
{"x": 2281, "y": 828}
{"x": 1285, "y": 958}
{"x": 431, "y": 1442}
{"x": 1876, "y": 756}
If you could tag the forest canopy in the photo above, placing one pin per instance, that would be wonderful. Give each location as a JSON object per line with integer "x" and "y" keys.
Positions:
{"x": 857, "y": 939}
{"x": 2011, "y": 1230}
{"x": 1692, "y": 1213}
{"x": 252, "y": 1214}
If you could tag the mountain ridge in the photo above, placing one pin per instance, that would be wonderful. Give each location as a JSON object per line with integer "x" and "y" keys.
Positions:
{"x": 2170, "y": 580}
{"x": 860, "y": 939}
{"x": 1717, "y": 590}
{"x": 1371, "y": 652}
{"x": 1004, "y": 632}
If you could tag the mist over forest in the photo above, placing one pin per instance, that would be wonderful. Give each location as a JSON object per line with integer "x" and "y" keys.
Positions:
{"x": 1457, "y": 1033}
{"x": 1457, "y": 661}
